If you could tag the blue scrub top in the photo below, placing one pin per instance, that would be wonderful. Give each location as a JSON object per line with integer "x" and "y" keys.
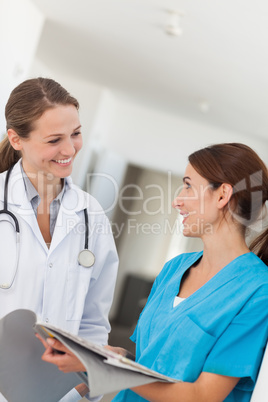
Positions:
{"x": 221, "y": 328}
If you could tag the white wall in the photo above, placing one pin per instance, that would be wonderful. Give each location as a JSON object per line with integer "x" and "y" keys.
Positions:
{"x": 137, "y": 133}
{"x": 162, "y": 141}
{"x": 20, "y": 29}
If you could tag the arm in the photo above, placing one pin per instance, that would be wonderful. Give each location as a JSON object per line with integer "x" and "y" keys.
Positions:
{"x": 95, "y": 323}
{"x": 66, "y": 360}
{"x": 236, "y": 354}
{"x": 207, "y": 388}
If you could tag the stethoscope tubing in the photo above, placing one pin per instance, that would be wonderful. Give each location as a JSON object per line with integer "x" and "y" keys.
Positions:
{"x": 85, "y": 258}
{"x": 5, "y": 210}
{"x": 7, "y": 286}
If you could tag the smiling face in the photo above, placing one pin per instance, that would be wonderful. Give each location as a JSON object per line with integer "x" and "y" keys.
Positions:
{"x": 198, "y": 205}
{"x": 52, "y": 145}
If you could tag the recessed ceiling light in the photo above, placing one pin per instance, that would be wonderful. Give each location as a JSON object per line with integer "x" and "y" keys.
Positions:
{"x": 173, "y": 26}
{"x": 204, "y": 106}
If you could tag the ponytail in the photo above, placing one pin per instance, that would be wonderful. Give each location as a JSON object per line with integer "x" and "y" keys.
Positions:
{"x": 260, "y": 246}
{"x": 8, "y": 155}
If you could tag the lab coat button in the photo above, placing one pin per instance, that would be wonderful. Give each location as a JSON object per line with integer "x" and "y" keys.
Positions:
{"x": 50, "y": 265}
{"x": 47, "y": 319}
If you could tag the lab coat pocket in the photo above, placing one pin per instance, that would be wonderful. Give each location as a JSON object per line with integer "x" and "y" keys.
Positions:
{"x": 77, "y": 287}
{"x": 185, "y": 350}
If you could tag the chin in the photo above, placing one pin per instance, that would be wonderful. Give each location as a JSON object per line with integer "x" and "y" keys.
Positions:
{"x": 63, "y": 172}
{"x": 189, "y": 233}
{"x": 186, "y": 233}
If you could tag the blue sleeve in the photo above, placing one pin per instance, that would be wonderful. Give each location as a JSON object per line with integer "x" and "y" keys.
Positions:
{"x": 239, "y": 350}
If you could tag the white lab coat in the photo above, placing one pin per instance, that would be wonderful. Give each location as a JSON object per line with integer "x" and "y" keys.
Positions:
{"x": 50, "y": 281}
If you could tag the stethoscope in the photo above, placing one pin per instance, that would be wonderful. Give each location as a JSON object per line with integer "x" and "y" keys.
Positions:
{"x": 85, "y": 258}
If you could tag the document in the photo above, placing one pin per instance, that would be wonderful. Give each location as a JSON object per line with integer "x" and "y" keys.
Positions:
{"x": 25, "y": 377}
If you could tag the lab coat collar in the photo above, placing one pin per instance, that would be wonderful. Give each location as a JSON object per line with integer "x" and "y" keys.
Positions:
{"x": 19, "y": 204}
{"x": 74, "y": 201}
{"x": 16, "y": 188}
{"x": 70, "y": 216}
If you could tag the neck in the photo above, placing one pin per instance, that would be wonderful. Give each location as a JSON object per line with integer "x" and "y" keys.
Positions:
{"x": 223, "y": 247}
{"x": 48, "y": 189}
{"x": 47, "y": 185}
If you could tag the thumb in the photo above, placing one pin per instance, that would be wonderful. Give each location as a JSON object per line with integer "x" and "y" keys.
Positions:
{"x": 55, "y": 344}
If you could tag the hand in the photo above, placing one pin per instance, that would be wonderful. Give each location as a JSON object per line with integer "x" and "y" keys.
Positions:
{"x": 121, "y": 351}
{"x": 116, "y": 349}
{"x": 66, "y": 362}
{"x": 82, "y": 389}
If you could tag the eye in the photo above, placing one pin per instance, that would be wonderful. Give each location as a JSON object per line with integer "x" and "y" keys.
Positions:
{"x": 54, "y": 141}
{"x": 76, "y": 133}
{"x": 187, "y": 185}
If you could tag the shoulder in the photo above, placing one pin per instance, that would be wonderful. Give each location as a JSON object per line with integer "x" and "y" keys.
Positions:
{"x": 2, "y": 184}
{"x": 179, "y": 264}
{"x": 250, "y": 278}
{"x": 184, "y": 258}
{"x": 252, "y": 268}
{"x": 15, "y": 181}
{"x": 3, "y": 176}
{"x": 85, "y": 199}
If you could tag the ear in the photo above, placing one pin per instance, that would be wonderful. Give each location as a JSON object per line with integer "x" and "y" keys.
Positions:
{"x": 224, "y": 195}
{"x": 14, "y": 139}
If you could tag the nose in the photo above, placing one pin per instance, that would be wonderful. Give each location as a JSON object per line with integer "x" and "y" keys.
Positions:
{"x": 177, "y": 202}
{"x": 68, "y": 148}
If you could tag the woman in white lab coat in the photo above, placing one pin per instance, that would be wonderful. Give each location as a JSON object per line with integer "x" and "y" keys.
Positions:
{"x": 42, "y": 272}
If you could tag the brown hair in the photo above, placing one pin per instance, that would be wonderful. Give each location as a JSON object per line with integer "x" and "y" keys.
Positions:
{"x": 240, "y": 166}
{"x": 26, "y": 103}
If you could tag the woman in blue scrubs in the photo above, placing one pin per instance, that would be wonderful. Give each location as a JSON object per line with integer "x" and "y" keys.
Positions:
{"x": 206, "y": 319}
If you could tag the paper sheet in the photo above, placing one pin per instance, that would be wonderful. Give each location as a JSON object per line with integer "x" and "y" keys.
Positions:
{"x": 25, "y": 377}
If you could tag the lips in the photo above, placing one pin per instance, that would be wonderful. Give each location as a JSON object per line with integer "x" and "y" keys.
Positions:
{"x": 63, "y": 161}
{"x": 184, "y": 215}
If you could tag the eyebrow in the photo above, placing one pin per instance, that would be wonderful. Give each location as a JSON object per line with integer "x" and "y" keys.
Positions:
{"x": 186, "y": 178}
{"x": 61, "y": 134}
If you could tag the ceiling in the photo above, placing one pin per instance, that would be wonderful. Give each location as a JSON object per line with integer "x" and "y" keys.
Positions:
{"x": 220, "y": 58}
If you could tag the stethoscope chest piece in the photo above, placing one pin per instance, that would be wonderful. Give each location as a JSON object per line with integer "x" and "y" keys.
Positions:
{"x": 86, "y": 258}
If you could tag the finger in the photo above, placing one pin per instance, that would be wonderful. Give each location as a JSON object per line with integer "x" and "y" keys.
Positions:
{"x": 42, "y": 340}
{"x": 52, "y": 356}
{"x": 55, "y": 344}
{"x": 48, "y": 353}
{"x": 116, "y": 349}
{"x": 63, "y": 362}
